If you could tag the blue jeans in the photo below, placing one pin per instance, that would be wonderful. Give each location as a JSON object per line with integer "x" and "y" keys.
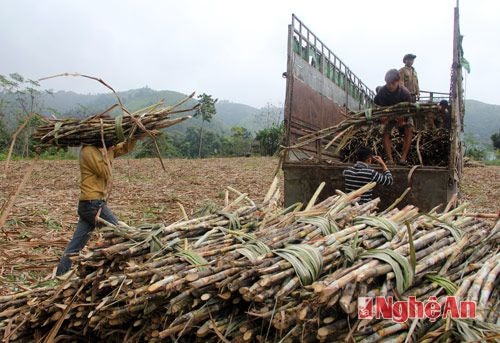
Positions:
{"x": 87, "y": 210}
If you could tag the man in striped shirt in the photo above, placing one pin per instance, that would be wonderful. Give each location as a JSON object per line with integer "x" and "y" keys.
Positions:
{"x": 361, "y": 173}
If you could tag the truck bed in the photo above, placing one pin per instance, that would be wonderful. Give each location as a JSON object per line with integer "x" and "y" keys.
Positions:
{"x": 429, "y": 184}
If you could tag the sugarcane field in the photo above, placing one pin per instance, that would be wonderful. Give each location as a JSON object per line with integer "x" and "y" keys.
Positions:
{"x": 345, "y": 213}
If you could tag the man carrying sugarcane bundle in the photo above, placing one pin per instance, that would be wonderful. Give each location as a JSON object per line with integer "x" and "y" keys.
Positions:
{"x": 96, "y": 173}
{"x": 390, "y": 94}
{"x": 361, "y": 173}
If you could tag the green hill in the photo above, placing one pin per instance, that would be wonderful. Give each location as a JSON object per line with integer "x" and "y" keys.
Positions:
{"x": 72, "y": 104}
{"x": 229, "y": 114}
{"x": 482, "y": 120}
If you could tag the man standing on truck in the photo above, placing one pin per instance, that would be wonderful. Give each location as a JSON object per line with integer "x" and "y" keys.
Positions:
{"x": 409, "y": 77}
{"x": 361, "y": 173}
{"x": 391, "y": 94}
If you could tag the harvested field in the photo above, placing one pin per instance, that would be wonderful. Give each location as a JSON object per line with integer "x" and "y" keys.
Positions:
{"x": 44, "y": 215}
{"x": 481, "y": 187}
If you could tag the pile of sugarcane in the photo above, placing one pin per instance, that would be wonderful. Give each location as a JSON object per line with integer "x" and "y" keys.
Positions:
{"x": 430, "y": 147}
{"x": 471, "y": 163}
{"x": 261, "y": 273}
{"x": 70, "y": 132}
{"x": 430, "y": 144}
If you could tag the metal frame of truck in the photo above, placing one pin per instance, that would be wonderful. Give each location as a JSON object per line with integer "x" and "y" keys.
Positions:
{"x": 319, "y": 89}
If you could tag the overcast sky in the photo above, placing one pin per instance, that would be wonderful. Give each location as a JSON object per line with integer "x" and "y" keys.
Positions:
{"x": 236, "y": 50}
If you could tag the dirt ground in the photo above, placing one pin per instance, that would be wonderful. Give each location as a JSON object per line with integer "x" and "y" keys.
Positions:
{"x": 43, "y": 217}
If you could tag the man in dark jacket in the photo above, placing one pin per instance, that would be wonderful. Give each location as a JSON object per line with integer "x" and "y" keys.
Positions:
{"x": 391, "y": 94}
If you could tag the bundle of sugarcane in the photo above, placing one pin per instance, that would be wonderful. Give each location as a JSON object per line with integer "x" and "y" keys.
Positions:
{"x": 436, "y": 328}
{"x": 438, "y": 269}
{"x": 429, "y": 147}
{"x": 259, "y": 273}
{"x": 136, "y": 260}
{"x": 332, "y": 299}
{"x": 471, "y": 163}
{"x": 94, "y": 129}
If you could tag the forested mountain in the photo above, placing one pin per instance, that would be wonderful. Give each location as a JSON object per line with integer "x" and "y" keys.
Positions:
{"x": 234, "y": 130}
{"x": 229, "y": 114}
{"x": 482, "y": 120}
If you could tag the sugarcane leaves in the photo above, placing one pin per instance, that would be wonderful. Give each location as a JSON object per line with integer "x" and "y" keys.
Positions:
{"x": 234, "y": 223}
{"x": 413, "y": 257}
{"x": 352, "y": 251}
{"x": 388, "y": 227}
{"x": 449, "y": 286}
{"x": 193, "y": 258}
{"x": 400, "y": 266}
{"x": 306, "y": 260}
{"x": 290, "y": 210}
{"x": 206, "y": 208}
{"x": 203, "y": 238}
{"x": 326, "y": 225}
{"x": 253, "y": 250}
{"x": 155, "y": 244}
{"x": 436, "y": 333}
{"x": 467, "y": 330}
{"x": 139, "y": 236}
{"x": 455, "y": 232}
{"x": 243, "y": 237}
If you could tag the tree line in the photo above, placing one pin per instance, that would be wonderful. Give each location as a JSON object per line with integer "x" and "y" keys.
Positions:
{"x": 20, "y": 106}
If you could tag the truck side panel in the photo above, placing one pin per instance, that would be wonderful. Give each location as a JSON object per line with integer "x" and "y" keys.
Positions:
{"x": 429, "y": 186}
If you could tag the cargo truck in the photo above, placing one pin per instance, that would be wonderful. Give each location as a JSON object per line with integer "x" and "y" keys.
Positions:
{"x": 320, "y": 90}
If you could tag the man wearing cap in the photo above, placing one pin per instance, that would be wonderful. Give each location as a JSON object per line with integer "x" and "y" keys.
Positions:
{"x": 409, "y": 77}
{"x": 391, "y": 94}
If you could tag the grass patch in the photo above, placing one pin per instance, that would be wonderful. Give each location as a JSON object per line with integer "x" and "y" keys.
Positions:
{"x": 492, "y": 163}
{"x": 52, "y": 224}
{"x": 15, "y": 223}
{"x": 54, "y": 154}
{"x": 51, "y": 154}
{"x": 123, "y": 175}
{"x": 252, "y": 163}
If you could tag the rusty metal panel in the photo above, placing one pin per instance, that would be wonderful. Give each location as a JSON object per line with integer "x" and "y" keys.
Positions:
{"x": 312, "y": 110}
{"x": 430, "y": 186}
{"x": 320, "y": 88}
{"x": 321, "y": 84}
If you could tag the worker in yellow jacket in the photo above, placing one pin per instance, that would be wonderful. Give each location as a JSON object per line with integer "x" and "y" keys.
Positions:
{"x": 96, "y": 174}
